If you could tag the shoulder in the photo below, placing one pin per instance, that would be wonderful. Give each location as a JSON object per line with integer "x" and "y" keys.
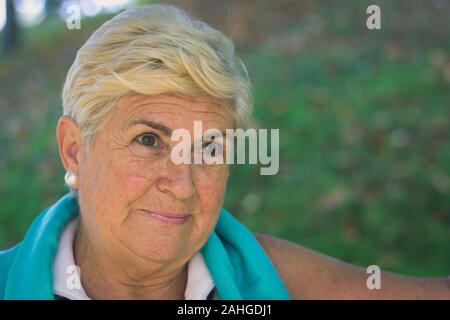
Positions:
{"x": 308, "y": 274}
{"x": 6, "y": 260}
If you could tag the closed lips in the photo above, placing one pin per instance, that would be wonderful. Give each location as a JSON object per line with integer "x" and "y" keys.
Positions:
{"x": 169, "y": 217}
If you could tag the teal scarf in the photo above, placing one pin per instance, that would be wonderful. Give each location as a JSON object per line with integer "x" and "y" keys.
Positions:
{"x": 238, "y": 264}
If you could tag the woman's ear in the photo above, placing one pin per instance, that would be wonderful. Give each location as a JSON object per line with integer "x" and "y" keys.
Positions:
{"x": 69, "y": 143}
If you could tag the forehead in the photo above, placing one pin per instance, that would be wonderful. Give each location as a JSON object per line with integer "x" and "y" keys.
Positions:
{"x": 175, "y": 108}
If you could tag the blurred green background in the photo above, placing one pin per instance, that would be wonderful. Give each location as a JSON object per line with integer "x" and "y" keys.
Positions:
{"x": 364, "y": 119}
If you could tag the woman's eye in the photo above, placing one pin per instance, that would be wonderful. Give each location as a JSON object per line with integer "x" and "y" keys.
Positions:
{"x": 148, "y": 139}
{"x": 210, "y": 149}
{"x": 213, "y": 148}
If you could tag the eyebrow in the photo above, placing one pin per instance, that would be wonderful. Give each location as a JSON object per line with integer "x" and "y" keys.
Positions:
{"x": 208, "y": 136}
{"x": 160, "y": 127}
{"x": 157, "y": 126}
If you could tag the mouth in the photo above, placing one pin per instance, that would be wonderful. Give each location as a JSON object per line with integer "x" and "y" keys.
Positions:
{"x": 167, "y": 217}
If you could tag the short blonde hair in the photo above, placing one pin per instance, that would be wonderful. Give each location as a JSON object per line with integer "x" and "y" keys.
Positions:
{"x": 152, "y": 50}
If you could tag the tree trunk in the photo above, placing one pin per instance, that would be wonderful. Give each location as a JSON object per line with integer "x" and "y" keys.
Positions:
{"x": 52, "y": 6}
{"x": 11, "y": 32}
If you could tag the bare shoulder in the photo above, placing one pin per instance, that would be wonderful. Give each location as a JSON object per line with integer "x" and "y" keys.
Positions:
{"x": 308, "y": 274}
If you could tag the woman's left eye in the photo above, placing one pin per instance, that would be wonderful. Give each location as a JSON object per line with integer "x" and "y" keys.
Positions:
{"x": 148, "y": 140}
{"x": 211, "y": 148}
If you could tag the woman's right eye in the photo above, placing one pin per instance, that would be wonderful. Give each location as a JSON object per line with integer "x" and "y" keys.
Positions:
{"x": 148, "y": 140}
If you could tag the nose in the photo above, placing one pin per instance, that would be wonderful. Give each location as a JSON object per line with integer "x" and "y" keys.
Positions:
{"x": 177, "y": 181}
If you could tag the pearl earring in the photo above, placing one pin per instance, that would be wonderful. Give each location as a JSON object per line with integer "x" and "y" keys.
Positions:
{"x": 71, "y": 179}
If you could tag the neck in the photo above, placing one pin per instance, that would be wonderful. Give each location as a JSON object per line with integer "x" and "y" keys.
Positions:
{"x": 104, "y": 276}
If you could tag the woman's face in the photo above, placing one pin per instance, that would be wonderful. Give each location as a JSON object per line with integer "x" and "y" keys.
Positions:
{"x": 127, "y": 178}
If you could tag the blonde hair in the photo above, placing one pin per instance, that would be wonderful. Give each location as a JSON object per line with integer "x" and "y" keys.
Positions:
{"x": 152, "y": 50}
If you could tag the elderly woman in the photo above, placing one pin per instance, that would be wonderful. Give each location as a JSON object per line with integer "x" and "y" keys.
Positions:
{"x": 136, "y": 225}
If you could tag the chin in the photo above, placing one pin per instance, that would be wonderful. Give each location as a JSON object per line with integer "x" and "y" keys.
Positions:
{"x": 158, "y": 247}
{"x": 153, "y": 240}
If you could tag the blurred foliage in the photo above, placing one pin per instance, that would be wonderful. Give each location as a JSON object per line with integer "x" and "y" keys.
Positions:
{"x": 363, "y": 115}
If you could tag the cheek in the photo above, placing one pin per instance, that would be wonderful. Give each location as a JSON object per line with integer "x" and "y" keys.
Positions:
{"x": 132, "y": 177}
{"x": 114, "y": 183}
{"x": 211, "y": 185}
